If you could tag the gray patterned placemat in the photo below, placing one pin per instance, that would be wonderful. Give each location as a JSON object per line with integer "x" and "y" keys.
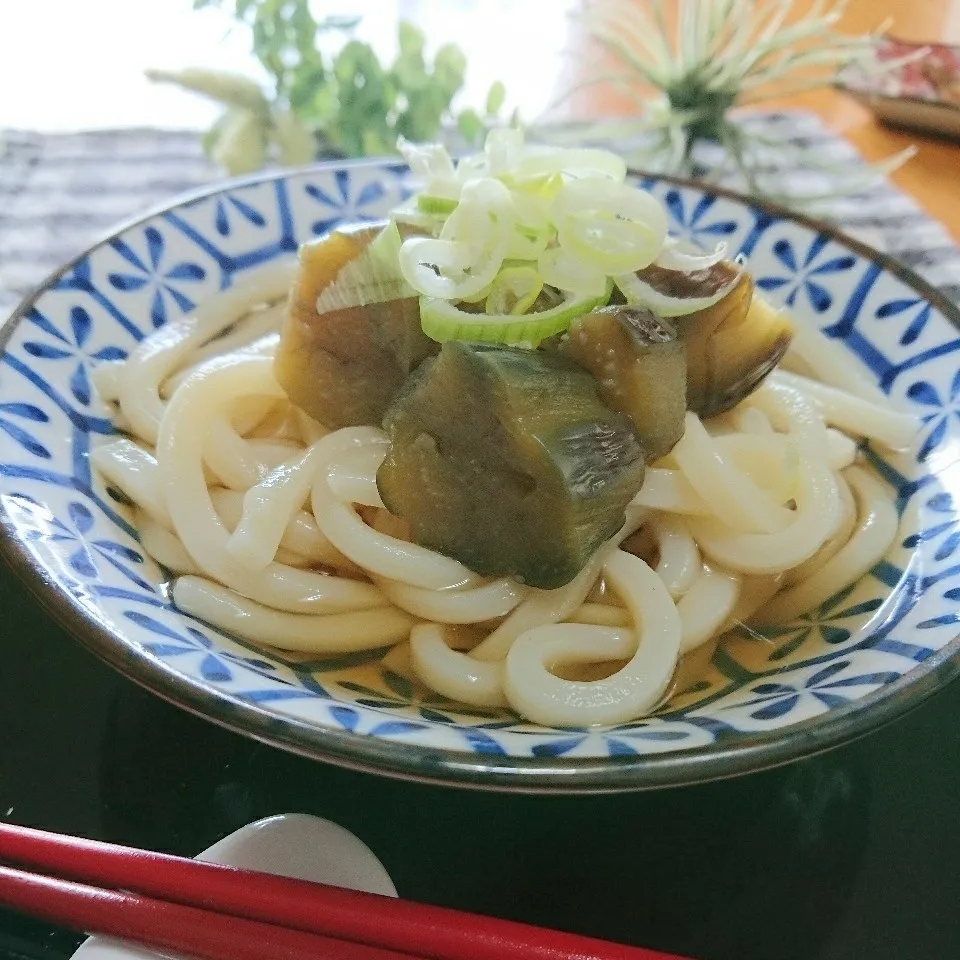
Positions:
{"x": 60, "y": 192}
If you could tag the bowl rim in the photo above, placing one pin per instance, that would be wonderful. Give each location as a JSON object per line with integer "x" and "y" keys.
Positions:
{"x": 443, "y": 766}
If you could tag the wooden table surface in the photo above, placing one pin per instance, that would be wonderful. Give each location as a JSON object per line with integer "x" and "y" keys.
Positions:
{"x": 932, "y": 177}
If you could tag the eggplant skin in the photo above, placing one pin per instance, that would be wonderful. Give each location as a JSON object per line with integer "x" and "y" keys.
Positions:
{"x": 697, "y": 283}
{"x": 731, "y": 347}
{"x": 507, "y": 460}
{"x": 344, "y": 367}
{"x": 640, "y": 367}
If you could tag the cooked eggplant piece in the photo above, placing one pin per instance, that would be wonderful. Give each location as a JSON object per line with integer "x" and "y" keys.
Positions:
{"x": 344, "y": 362}
{"x": 686, "y": 286}
{"x": 731, "y": 344}
{"x": 640, "y": 368}
{"x": 731, "y": 347}
{"x": 507, "y": 460}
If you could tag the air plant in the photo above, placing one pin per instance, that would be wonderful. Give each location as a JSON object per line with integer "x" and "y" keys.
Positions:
{"x": 716, "y": 55}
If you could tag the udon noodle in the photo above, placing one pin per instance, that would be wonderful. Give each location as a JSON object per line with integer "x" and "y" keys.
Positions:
{"x": 273, "y": 528}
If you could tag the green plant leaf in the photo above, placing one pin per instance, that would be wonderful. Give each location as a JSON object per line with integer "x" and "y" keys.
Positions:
{"x": 343, "y": 21}
{"x": 470, "y": 125}
{"x": 410, "y": 73}
{"x": 375, "y": 144}
{"x": 354, "y": 60}
{"x": 449, "y": 67}
{"x": 450, "y": 57}
{"x": 305, "y": 86}
{"x": 411, "y": 39}
{"x": 304, "y": 29}
{"x": 495, "y": 98}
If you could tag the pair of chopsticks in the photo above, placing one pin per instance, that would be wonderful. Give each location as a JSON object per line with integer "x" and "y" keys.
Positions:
{"x": 222, "y": 913}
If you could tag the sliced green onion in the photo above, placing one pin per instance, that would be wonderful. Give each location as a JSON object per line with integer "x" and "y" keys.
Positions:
{"x": 443, "y": 320}
{"x": 470, "y": 250}
{"x": 514, "y": 218}
{"x": 503, "y": 148}
{"x": 558, "y": 268}
{"x": 533, "y": 231}
{"x": 543, "y": 188}
{"x": 371, "y": 277}
{"x": 527, "y": 243}
{"x": 430, "y": 163}
{"x": 408, "y": 214}
{"x": 584, "y": 162}
{"x": 607, "y": 243}
{"x": 680, "y": 255}
{"x": 445, "y": 268}
{"x": 610, "y": 226}
{"x": 514, "y": 290}
{"x": 483, "y": 218}
{"x": 427, "y": 203}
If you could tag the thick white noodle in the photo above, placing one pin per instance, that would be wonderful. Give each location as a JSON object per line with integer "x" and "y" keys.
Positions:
{"x": 733, "y": 497}
{"x": 353, "y": 477}
{"x": 268, "y": 508}
{"x": 790, "y": 410}
{"x": 669, "y": 490}
{"x": 815, "y": 517}
{"x": 280, "y": 424}
{"x": 842, "y": 451}
{"x": 471, "y": 605}
{"x": 452, "y": 673}
{"x": 192, "y": 410}
{"x": 705, "y": 607}
{"x": 679, "y": 565}
{"x": 751, "y": 420}
{"x": 652, "y": 645}
{"x": 324, "y": 633}
{"x": 876, "y": 529}
{"x": 136, "y": 472}
{"x": 164, "y": 546}
{"x": 249, "y": 332}
{"x": 250, "y": 411}
{"x": 602, "y": 614}
{"x": 106, "y": 379}
{"x": 239, "y": 463}
{"x": 831, "y": 363}
{"x": 840, "y": 535}
{"x": 770, "y": 460}
{"x": 550, "y": 606}
{"x": 853, "y": 414}
{"x": 376, "y": 552}
{"x": 157, "y": 356}
{"x": 767, "y": 459}
{"x": 301, "y": 538}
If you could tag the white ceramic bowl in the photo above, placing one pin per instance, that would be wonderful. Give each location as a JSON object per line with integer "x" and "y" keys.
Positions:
{"x": 862, "y": 658}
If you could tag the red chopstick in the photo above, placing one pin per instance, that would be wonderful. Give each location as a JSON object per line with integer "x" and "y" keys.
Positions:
{"x": 171, "y": 926}
{"x": 434, "y": 933}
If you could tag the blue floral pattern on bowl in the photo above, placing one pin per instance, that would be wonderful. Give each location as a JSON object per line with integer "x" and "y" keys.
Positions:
{"x": 890, "y": 637}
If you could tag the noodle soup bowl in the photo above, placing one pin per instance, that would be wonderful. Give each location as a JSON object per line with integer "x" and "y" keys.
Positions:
{"x": 860, "y": 659}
